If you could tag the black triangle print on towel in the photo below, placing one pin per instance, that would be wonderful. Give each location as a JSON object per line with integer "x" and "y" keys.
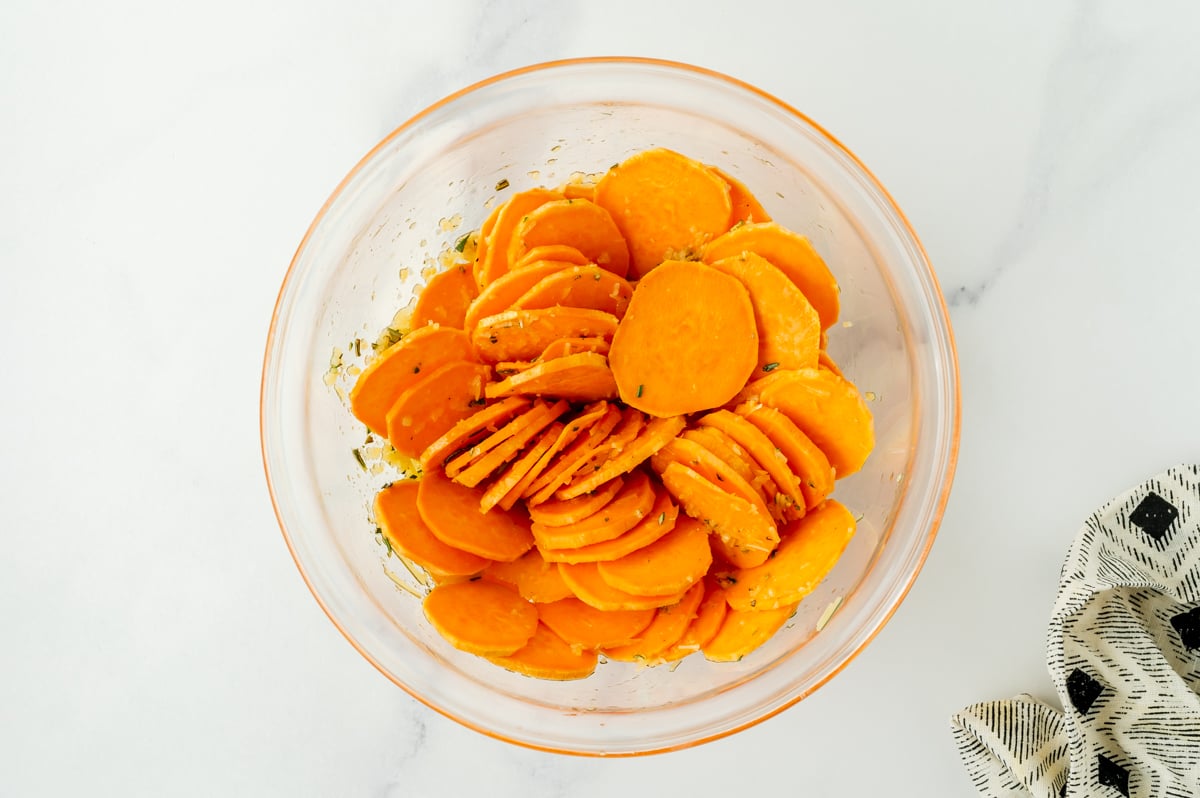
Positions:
{"x": 1154, "y": 515}
{"x": 1188, "y": 626}
{"x": 1083, "y": 690}
{"x": 1110, "y": 774}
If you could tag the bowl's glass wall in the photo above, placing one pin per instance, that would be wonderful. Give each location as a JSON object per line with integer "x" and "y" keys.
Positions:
{"x": 367, "y": 256}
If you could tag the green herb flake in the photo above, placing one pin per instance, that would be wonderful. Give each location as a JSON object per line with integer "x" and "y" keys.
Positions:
{"x": 503, "y": 184}
{"x": 358, "y": 456}
{"x": 416, "y": 369}
{"x": 662, "y": 518}
{"x": 639, "y": 392}
{"x": 461, "y": 244}
{"x": 770, "y": 366}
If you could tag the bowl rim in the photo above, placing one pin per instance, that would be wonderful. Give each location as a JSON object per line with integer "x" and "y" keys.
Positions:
{"x": 955, "y": 405}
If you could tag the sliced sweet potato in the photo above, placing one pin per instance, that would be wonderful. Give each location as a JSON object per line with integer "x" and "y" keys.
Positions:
{"x": 789, "y": 330}
{"x": 746, "y": 207}
{"x": 742, "y": 632}
{"x": 764, "y": 452}
{"x": 577, "y": 223}
{"x": 805, "y": 458}
{"x": 557, "y": 252}
{"x": 584, "y": 377}
{"x": 512, "y": 476}
{"x": 481, "y": 617}
{"x": 688, "y": 341}
{"x": 734, "y": 456}
{"x": 534, "y": 578}
{"x": 452, "y": 513}
{"x": 572, "y": 511}
{"x": 585, "y": 191}
{"x": 628, "y": 507}
{"x": 661, "y": 520}
{"x": 668, "y": 626}
{"x": 792, "y": 254}
{"x": 585, "y": 627}
{"x": 748, "y": 536}
{"x": 672, "y": 563}
{"x": 828, "y": 363}
{"x": 665, "y": 205}
{"x": 481, "y": 247}
{"x": 586, "y": 583}
{"x": 525, "y": 334}
{"x": 548, "y": 656}
{"x": 691, "y": 454}
{"x": 579, "y": 287}
{"x": 397, "y": 515}
{"x": 401, "y": 366}
{"x": 534, "y": 423}
{"x": 626, "y": 432}
{"x": 519, "y": 206}
{"x": 703, "y": 628}
{"x": 808, "y": 550}
{"x": 501, "y": 293}
{"x": 573, "y": 346}
{"x": 433, "y": 405}
{"x": 445, "y": 298}
{"x": 657, "y": 434}
{"x": 569, "y": 460}
{"x": 487, "y": 419}
{"x": 828, "y": 409}
{"x": 535, "y": 413}
{"x": 572, "y": 429}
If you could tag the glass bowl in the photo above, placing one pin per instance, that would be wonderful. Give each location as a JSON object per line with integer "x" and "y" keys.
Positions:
{"x": 371, "y": 248}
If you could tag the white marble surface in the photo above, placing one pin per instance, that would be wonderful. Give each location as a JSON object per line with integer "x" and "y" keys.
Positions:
{"x": 160, "y": 163}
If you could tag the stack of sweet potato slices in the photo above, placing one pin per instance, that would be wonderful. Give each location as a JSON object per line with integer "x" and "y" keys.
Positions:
{"x": 627, "y": 425}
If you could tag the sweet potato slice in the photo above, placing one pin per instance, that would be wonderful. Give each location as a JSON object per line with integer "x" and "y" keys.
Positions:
{"x": 828, "y": 363}
{"x": 525, "y": 334}
{"x": 557, "y": 252}
{"x": 579, "y": 287}
{"x": 672, "y": 563}
{"x": 703, "y": 628}
{"x": 432, "y": 406}
{"x": 585, "y": 627}
{"x": 691, "y": 454}
{"x": 688, "y": 341}
{"x": 828, "y": 409}
{"x": 742, "y": 632}
{"x": 534, "y": 578}
{"x": 585, "y": 191}
{"x": 632, "y": 423}
{"x": 789, "y": 330}
{"x": 577, "y": 223}
{"x": 805, "y": 458}
{"x": 548, "y": 656}
{"x": 573, "y": 346}
{"x": 732, "y": 455}
{"x": 584, "y": 377}
{"x": 661, "y": 520}
{"x": 481, "y": 247}
{"x": 748, "y": 536}
{"x": 481, "y": 617}
{"x": 807, "y": 552}
{"x": 534, "y": 423}
{"x": 519, "y": 206}
{"x": 397, "y": 515}
{"x": 452, "y": 514}
{"x": 589, "y": 587}
{"x": 665, "y": 205}
{"x": 572, "y": 429}
{"x": 572, "y": 511}
{"x": 792, "y": 254}
{"x": 536, "y": 413}
{"x": 746, "y": 207}
{"x": 445, "y": 298}
{"x": 764, "y": 452}
{"x": 512, "y": 476}
{"x": 657, "y": 434}
{"x": 501, "y": 293}
{"x": 401, "y": 366}
{"x": 668, "y": 626}
{"x": 561, "y": 469}
{"x": 489, "y": 418}
{"x": 628, "y": 507}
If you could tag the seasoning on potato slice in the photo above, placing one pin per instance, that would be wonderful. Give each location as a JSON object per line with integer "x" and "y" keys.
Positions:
{"x": 572, "y": 511}
{"x": 668, "y": 626}
{"x": 548, "y": 656}
{"x": 398, "y": 517}
{"x": 792, "y": 254}
{"x": 661, "y": 520}
{"x": 401, "y": 366}
{"x": 585, "y": 627}
{"x": 572, "y": 429}
{"x": 577, "y": 223}
{"x": 762, "y": 450}
{"x": 672, "y": 563}
{"x": 481, "y": 617}
{"x": 747, "y": 535}
{"x": 501, "y": 293}
{"x": 432, "y": 406}
{"x": 703, "y": 628}
{"x": 734, "y": 456}
{"x": 534, "y": 578}
{"x": 525, "y": 334}
{"x": 482, "y": 467}
{"x": 688, "y": 342}
{"x": 490, "y": 418}
{"x": 688, "y": 453}
{"x": 807, "y": 551}
{"x": 535, "y": 414}
{"x": 627, "y": 508}
{"x": 746, "y": 207}
{"x": 657, "y": 434}
{"x": 588, "y": 586}
{"x": 742, "y": 632}
{"x": 579, "y": 287}
{"x": 584, "y": 377}
{"x": 518, "y": 206}
{"x": 452, "y": 513}
{"x": 570, "y": 458}
{"x": 556, "y": 252}
{"x": 789, "y": 330}
{"x": 665, "y": 204}
{"x": 445, "y": 298}
{"x": 512, "y": 476}
{"x": 632, "y": 423}
{"x": 805, "y": 458}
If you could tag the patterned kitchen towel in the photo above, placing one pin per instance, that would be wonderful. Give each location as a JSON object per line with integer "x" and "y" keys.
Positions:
{"x": 1124, "y": 652}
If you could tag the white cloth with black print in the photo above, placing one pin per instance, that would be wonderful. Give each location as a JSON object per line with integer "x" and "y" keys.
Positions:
{"x": 1124, "y": 653}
